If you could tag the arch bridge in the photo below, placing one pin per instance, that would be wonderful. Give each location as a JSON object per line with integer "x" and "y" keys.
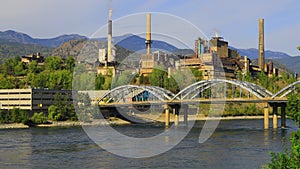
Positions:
{"x": 214, "y": 91}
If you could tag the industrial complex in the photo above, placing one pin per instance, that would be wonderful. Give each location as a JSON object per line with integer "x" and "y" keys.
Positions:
{"x": 213, "y": 57}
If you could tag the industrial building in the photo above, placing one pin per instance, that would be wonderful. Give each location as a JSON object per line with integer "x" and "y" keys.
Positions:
{"x": 213, "y": 57}
{"x": 35, "y": 100}
{"x": 37, "y": 57}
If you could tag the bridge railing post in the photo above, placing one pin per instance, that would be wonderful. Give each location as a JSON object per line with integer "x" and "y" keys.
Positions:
{"x": 266, "y": 116}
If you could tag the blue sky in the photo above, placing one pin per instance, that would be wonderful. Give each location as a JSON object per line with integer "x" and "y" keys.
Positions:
{"x": 235, "y": 20}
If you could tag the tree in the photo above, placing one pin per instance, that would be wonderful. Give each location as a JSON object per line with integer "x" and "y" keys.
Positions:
{"x": 70, "y": 63}
{"x": 288, "y": 159}
{"x": 124, "y": 79}
{"x": 61, "y": 110}
{"x": 99, "y": 82}
{"x": 197, "y": 74}
{"x": 263, "y": 79}
{"x": 293, "y": 107}
{"x": 20, "y": 69}
{"x": 53, "y": 63}
{"x": 39, "y": 118}
{"x": 156, "y": 78}
{"x": 10, "y": 64}
{"x": 33, "y": 67}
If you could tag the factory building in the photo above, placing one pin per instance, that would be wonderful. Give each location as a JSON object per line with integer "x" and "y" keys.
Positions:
{"x": 37, "y": 57}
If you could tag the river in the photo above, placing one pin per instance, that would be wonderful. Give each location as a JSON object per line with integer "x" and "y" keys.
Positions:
{"x": 234, "y": 144}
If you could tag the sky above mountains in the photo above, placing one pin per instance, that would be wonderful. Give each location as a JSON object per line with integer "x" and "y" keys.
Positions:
{"x": 235, "y": 20}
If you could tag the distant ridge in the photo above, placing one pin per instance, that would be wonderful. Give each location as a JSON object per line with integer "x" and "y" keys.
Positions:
{"x": 12, "y": 44}
{"x": 252, "y": 53}
{"x": 12, "y": 36}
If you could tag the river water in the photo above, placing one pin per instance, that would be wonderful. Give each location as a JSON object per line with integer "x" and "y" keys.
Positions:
{"x": 235, "y": 144}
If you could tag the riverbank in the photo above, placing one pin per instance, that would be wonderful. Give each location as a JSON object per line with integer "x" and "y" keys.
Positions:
{"x": 110, "y": 121}
{"x": 117, "y": 121}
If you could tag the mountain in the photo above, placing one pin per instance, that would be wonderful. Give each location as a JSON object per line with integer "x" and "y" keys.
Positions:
{"x": 137, "y": 44}
{"x": 13, "y": 49}
{"x": 293, "y": 63}
{"x": 17, "y": 37}
{"x": 16, "y": 44}
{"x": 87, "y": 50}
{"x": 252, "y": 53}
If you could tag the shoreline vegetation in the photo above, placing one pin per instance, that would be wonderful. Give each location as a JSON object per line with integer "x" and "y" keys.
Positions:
{"x": 118, "y": 121}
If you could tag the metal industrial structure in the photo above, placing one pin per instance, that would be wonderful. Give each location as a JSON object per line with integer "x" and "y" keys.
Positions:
{"x": 261, "y": 45}
{"x": 107, "y": 55}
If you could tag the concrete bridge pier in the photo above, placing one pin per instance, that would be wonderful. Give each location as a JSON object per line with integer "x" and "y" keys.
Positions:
{"x": 176, "y": 115}
{"x": 167, "y": 115}
{"x": 283, "y": 116}
{"x": 266, "y": 116}
{"x": 275, "y": 119}
{"x": 184, "y": 109}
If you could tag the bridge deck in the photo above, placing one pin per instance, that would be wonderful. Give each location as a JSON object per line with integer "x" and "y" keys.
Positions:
{"x": 194, "y": 101}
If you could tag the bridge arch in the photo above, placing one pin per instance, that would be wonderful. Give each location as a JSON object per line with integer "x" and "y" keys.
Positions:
{"x": 122, "y": 93}
{"x": 286, "y": 90}
{"x": 199, "y": 87}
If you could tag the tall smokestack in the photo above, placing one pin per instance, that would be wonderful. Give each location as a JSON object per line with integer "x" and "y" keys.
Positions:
{"x": 109, "y": 37}
{"x": 148, "y": 34}
{"x": 261, "y": 46}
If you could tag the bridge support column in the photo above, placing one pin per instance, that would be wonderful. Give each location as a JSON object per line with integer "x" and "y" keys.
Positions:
{"x": 176, "y": 115}
{"x": 275, "y": 108}
{"x": 266, "y": 115}
{"x": 185, "y": 114}
{"x": 167, "y": 115}
{"x": 283, "y": 118}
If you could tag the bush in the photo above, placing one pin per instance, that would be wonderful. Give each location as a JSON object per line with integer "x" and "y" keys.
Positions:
{"x": 39, "y": 118}
{"x": 288, "y": 159}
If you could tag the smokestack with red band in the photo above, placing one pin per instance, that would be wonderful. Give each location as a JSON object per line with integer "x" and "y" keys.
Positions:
{"x": 261, "y": 46}
{"x": 109, "y": 37}
{"x": 148, "y": 34}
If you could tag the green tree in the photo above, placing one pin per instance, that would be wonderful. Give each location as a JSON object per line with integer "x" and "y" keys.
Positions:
{"x": 70, "y": 63}
{"x": 157, "y": 76}
{"x": 99, "y": 82}
{"x": 33, "y": 67}
{"x": 263, "y": 79}
{"x": 10, "y": 64}
{"x": 41, "y": 80}
{"x": 62, "y": 110}
{"x": 4, "y": 116}
{"x": 197, "y": 74}
{"x": 20, "y": 69}
{"x": 288, "y": 159}
{"x": 248, "y": 77}
{"x": 293, "y": 107}
{"x": 53, "y": 63}
{"x": 39, "y": 118}
{"x": 124, "y": 79}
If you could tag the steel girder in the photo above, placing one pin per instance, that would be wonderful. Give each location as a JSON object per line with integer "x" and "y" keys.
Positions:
{"x": 119, "y": 93}
{"x": 285, "y": 91}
